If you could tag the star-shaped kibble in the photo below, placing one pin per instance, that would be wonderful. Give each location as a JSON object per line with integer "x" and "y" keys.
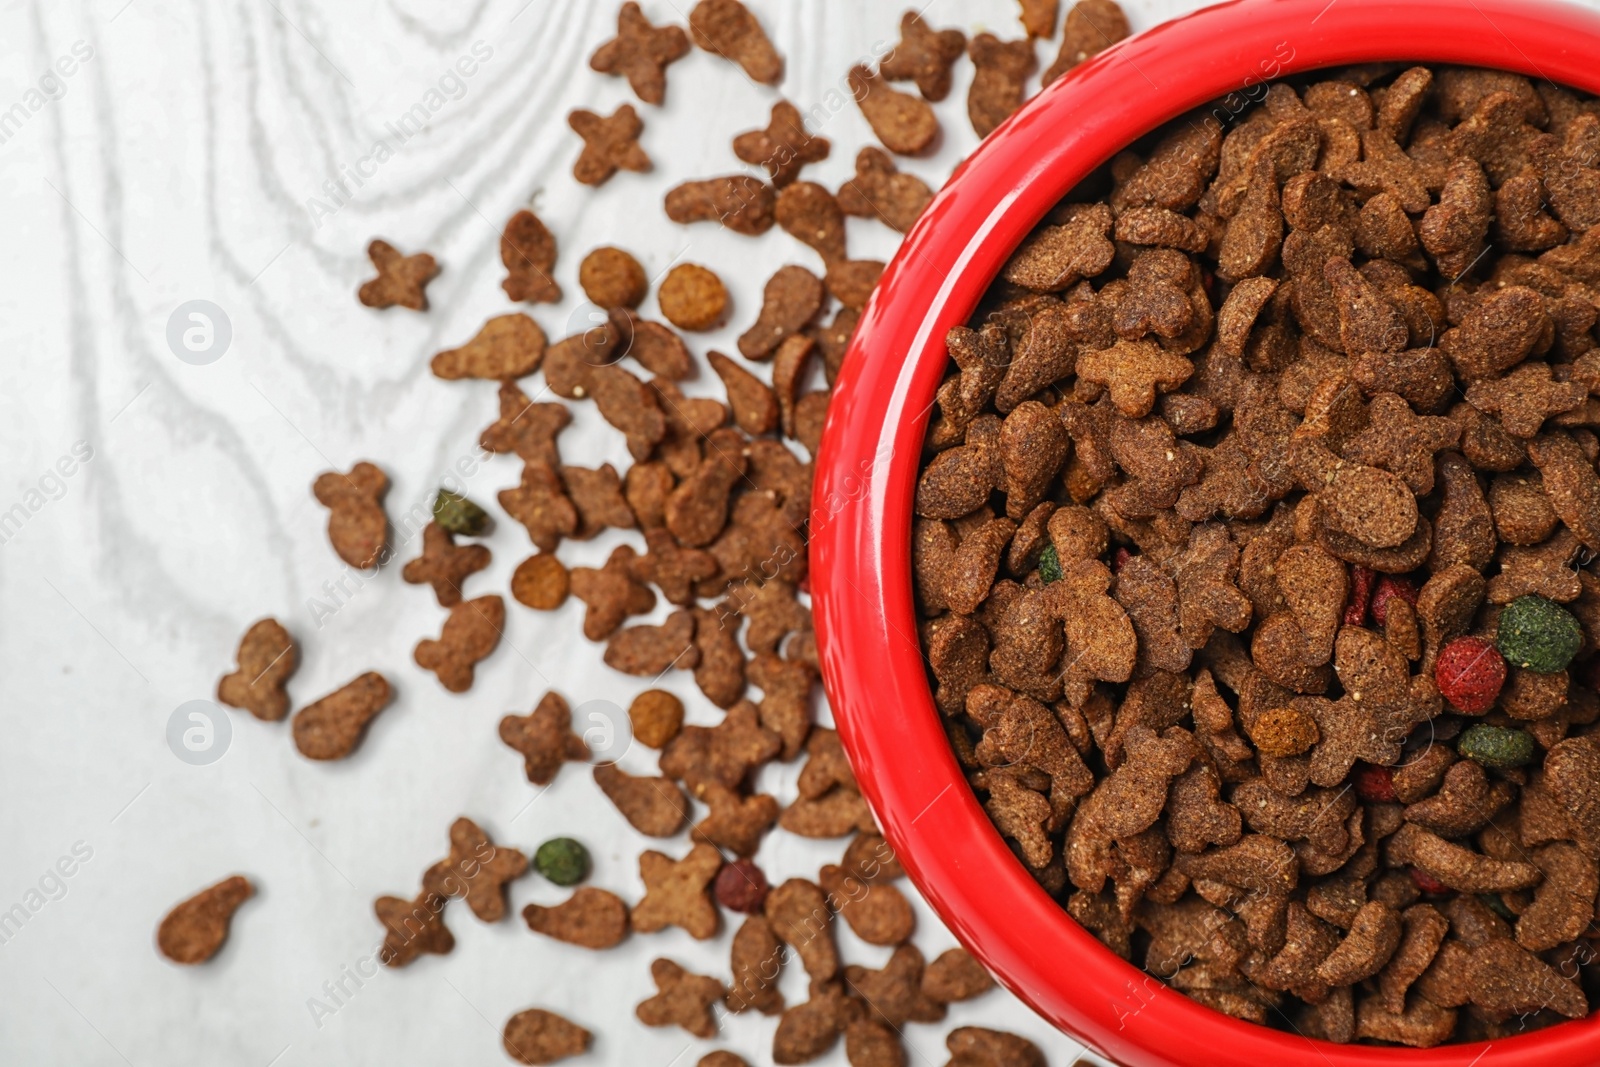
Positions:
{"x": 401, "y": 279}
{"x": 541, "y": 504}
{"x": 412, "y": 928}
{"x": 641, "y": 53}
{"x": 544, "y": 738}
{"x": 525, "y": 428}
{"x": 925, "y": 56}
{"x": 678, "y": 892}
{"x": 609, "y": 144}
{"x": 1401, "y": 442}
{"x": 1132, "y": 371}
{"x": 612, "y": 593}
{"x": 683, "y": 999}
{"x": 476, "y": 870}
{"x": 1525, "y": 398}
{"x": 784, "y": 147}
{"x": 444, "y": 564}
{"x": 724, "y": 753}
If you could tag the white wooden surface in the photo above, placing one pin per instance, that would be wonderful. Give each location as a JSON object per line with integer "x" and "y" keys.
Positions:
{"x": 176, "y": 163}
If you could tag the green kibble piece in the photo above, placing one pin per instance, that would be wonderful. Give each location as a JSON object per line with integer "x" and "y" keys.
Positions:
{"x": 459, "y": 515}
{"x": 1537, "y": 634}
{"x": 1496, "y": 746}
{"x": 1049, "y": 565}
{"x": 562, "y": 860}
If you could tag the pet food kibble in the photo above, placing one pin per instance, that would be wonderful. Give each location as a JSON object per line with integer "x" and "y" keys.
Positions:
{"x": 741, "y": 886}
{"x": 458, "y": 515}
{"x": 656, "y": 716}
{"x": 357, "y": 525}
{"x": 1496, "y": 746}
{"x": 536, "y": 1037}
{"x": 592, "y": 918}
{"x": 401, "y": 279}
{"x": 332, "y": 727}
{"x": 267, "y": 657}
{"x": 609, "y": 144}
{"x": 475, "y": 871}
{"x": 540, "y": 582}
{"x": 682, "y": 999}
{"x": 470, "y": 633}
{"x": 1264, "y": 467}
{"x": 678, "y": 892}
{"x": 545, "y": 738}
{"x": 193, "y": 931}
{"x": 784, "y": 147}
{"x": 924, "y": 55}
{"x": 693, "y": 298}
{"x": 508, "y": 346}
{"x": 562, "y": 860}
{"x": 728, "y": 29}
{"x": 612, "y": 278}
{"x": 413, "y": 928}
{"x": 741, "y": 203}
{"x": 1537, "y": 634}
{"x": 1469, "y": 673}
{"x": 905, "y": 124}
{"x": 641, "y": 53}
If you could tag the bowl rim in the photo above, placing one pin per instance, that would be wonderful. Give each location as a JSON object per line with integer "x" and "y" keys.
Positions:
{"x": 867, "y": 465}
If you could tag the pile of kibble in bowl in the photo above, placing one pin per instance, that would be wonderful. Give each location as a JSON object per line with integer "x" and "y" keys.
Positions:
{"x": 1254, "y": 547}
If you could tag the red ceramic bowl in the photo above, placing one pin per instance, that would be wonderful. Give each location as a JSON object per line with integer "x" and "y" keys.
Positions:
{"x": 867, "y": 469}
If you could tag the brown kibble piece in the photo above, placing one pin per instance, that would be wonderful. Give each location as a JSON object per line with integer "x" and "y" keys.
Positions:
{"x": 193, "y": 931}
{"x": 650, "y": 651}
{"x": 540, "y": 582}
{"x": 879, "y": 190}
{"x": 808, "y": 1030}
{"x": 757, "y": 961}
{"x": 790, "y": 300}
{"x": 545, "y": 738}
{"x": 755, "y": 409}
{"x": 612, "y": 593}
{"x": 641, "y": 53}
{"x": 475, "y": 871}
{"x": 401, "y": 279}
{"x": 525, "y": 428}
{"x": 536, "y": 1036}
{"x": 528, "y": 250}
{"x": 973, "y": 1046}
{"x": 470, "y": 633}
{"x": 612, "y": 278}
{"x": 808, "y": 212}
{"x": 905, "y": 124}
{"x": 799, "y": 914}
{"x": 684, "y": 999}
{"x": 332, "y": 727}
{"x": 784, "y": 148}
{"x": 741, "y": 203}
{"x": 955, "y": 976}
{"x": 508, "y": 346}
{"x": 851, "y": 281}
{"x": 879, "y": 914}
{"x": 655, "y": 807}
{"x": 1092, "y": 26}
{"x": 1133, "y": 372}
{"x": 357, "y": 526}
{"x": 590, "y": 918}
{"x": 657, "y": 716}
{"x": 609, "y": 144}
{"x": 1002, "y": 69}
{"x": 678, "y": 892}
{"x": 412, "y": 927}
{"x": 727, "y": 28}
{"x": 693, "y": 298}
{"x": 267, "y": 657}
{"x": 444, "y": 564}
{"x": 924, "y": 55}
{"x": 893, "y": 993}
{"x": 1039, "y": 17}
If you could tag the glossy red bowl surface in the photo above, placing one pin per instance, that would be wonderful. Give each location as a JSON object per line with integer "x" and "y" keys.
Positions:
{"x": 867, "y": 468}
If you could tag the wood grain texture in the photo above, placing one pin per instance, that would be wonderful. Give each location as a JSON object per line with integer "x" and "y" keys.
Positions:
{"x": 198, "y": 153}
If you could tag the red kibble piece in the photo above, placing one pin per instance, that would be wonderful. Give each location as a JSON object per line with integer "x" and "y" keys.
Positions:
{"x": 741, "y": 887}
{"x": 1361, "y": 579}
{"x": 1387, "y": 589}
{"x": 1427, "y": 882}
{"x": 1119, "y": 557}
{"x": 1374, "y": 783}
{"x": 1469, "y": 673}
